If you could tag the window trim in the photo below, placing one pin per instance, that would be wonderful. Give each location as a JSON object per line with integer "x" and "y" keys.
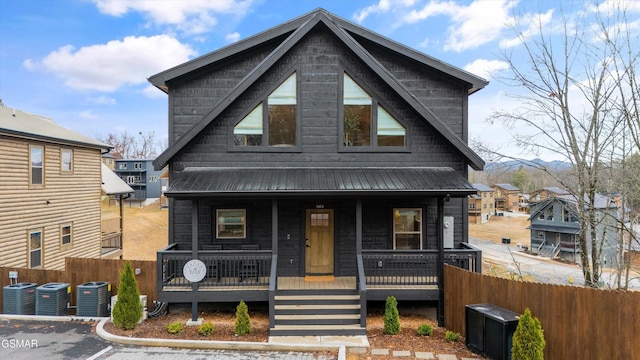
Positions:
{"x": 263, "y": 100}
{"x": 71, "y": 163}
{"x": 420, "y": 232}
{"x": 375, "y": 103}
{"x": 30, "y": 250}
{"x": 31, "y": 167}
{"x": 244, "y": 224}
{"x": 62, "y": 235}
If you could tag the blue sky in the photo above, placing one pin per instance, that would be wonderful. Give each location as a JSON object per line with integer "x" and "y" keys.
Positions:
{"x": 84, "y": 63}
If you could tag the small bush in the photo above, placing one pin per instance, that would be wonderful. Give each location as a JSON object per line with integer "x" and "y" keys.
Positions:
{"x": 452, "y": 336}
{"x": 243, "y": 321}
{"x": 174, "y": 328}
{"x": 528, "y": 339}
{"x": 391, "y": 317}
{"x": 206, "y": 329}
{"x": 425, "y": 330}
{"x": 127, "y": 310}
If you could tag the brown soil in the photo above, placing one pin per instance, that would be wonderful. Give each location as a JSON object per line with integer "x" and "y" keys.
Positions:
{"x": 500, "y": 227}
{"x": 408, "y": 339}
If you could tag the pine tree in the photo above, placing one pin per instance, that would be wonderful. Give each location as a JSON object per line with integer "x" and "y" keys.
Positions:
{"x": 243, "y": 321}
{"x": 128, "y": 310}
{"x": 528, "y": 339}
{"x": 391, "y": 317}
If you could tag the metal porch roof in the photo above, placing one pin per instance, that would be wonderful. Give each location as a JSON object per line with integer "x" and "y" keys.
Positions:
{"x": 386, "y": 181}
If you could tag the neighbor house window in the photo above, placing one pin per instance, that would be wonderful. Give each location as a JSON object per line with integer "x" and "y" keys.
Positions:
{"x": 540, "y": 234}
{"x": 407, "y": 229}
{"x": 274, "y": 121}
{"x": 35, "y": 249}
{"x": 36, "y": 167}
{"x": 65, "y": 234}
{"x": 365, "y": 122}
{"x": 231, "y": 223}
{"x": 122, "y": 166}
{"x": 66, "y": 160}
{"x": 137, "y": 165}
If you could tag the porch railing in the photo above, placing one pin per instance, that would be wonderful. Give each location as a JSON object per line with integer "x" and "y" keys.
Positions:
{"x": 224, "y": 267}
{"x": 112, "y": 240}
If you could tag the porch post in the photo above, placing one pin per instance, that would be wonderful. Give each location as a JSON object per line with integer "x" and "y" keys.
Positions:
{"x": 359, "y": 227}
{"x": 440, "y": 262}
{"x": 194, "y": 255}
{"x": 274, "y": 226}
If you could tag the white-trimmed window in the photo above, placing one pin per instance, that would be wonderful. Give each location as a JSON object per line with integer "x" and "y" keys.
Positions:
{"x": 407, "y": 228}
{"x": 365, "y": 122}
{"x": 274, "y": 121}
{"x": 66, "y": 160}
{"x": 122, "y": 166}
{"x": 137, "y": 165}
{"x": 66, "y": 236}
{"x": 36, "y": 165}
{"x": 35, "y": 249}
{"x": 231, "y": 223}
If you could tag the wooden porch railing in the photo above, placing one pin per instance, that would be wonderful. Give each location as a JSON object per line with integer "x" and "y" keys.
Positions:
{"x": 225, "y": 268}
{"x": 112, "y": 240}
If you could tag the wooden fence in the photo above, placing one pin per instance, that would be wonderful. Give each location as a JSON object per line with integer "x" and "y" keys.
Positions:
{"x": 79, "y": 271}
{"x": 578, "y": 322}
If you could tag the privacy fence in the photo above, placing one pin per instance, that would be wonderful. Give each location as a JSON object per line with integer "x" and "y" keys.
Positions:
{"x": 79, "y": 271}
{"x": 578, "y": 322}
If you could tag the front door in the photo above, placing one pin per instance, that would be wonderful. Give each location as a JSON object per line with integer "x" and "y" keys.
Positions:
{"x": 319, "y": 242}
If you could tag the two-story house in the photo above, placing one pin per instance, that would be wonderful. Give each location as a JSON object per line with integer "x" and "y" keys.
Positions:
{"x": 481, "y": 204}
{"x": 507, "y": 197}
{"x": 141, "y": 176}
{"x": 316, "y": 165}
{"x": 547, "y": 192}
{"x": 555, "y": 228}
{"x": 50, "y": 192}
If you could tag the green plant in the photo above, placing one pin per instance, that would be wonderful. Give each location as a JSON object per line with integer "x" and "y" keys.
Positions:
{"x": 451, "y": 336}
{"x": 391, "y": 317}
{"x": 206, "y": 329}
{"x": 528, "y": 339}
{"x": 243, "y": 321}
{"x": 174, "y": 328}
{"x": 425, "y": 330}
{"x": 127, "y": 311}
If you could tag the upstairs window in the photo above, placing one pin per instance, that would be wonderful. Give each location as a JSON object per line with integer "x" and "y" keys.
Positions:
{"x": 367, "y": 123}
{"x": 36, "y": 165}
{"x": 65, "y": 234}
{"x": 273, "y": 122}
{"x": 66, "y": 160}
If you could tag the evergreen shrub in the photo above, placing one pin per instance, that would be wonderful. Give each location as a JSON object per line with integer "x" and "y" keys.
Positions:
{"x": 127, "y": 310}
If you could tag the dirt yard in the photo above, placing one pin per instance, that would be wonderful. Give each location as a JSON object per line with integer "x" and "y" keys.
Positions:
{"x": 500, "y": 227}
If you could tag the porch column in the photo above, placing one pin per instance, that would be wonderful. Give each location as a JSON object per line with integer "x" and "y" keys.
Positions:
{"x": 440, "y": 262}
{"x": 194, "y": 255}
{"x": 274, "y": 226}
{"x": 359, "y": 227}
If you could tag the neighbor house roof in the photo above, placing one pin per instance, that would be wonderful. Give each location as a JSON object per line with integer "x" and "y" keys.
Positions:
{"x": 326, "y": 181}
{"x": 289, "y": 34}
{"x": 112, "y": 184}
{"x": 20, "y": 124}
{"x": 507, "y": 187}
{"x": 482, "y": 187}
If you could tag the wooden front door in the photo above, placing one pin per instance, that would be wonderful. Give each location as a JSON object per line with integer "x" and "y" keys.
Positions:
{"x": 319, "y": 242}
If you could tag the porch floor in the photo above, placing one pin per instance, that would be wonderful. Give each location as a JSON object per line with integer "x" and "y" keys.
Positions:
{"x": 299, "y": 283}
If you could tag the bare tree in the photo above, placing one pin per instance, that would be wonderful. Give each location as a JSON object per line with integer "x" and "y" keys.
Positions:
{"x": 567, "y": 104}
{"x": 127, "y": 146}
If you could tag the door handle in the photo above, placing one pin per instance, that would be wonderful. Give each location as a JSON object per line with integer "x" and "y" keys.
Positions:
{"x": 306, "y": 243}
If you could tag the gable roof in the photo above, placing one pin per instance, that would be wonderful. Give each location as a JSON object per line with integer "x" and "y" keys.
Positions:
{"x": 482, "y": 187}
{"x": 507, "y": 187}
{"x": 34, "y": 127}
{"x": 292, "y": 32}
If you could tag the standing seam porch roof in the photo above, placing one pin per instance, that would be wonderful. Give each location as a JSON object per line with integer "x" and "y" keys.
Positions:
{"x": 428, "y": 181}
{"x": 296, "y": 29}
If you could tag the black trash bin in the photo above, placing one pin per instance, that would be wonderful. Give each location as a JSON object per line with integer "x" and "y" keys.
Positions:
{"x": 506, "y": 240}
{"x": 490, "y": 330}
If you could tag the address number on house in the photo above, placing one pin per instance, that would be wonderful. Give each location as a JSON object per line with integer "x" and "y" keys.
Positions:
{"x": 194, "y": 270}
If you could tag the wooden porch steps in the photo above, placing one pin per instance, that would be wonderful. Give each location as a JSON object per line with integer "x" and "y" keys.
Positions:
{"x": 316, "y": 313}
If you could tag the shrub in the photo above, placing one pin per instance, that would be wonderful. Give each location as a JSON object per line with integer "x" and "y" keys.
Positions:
{"x": 528, "y": 339}
{"x": 451, "y": 336}
{"x": 243, "y": 321}
{"x": 127, "y": 311}
{"x": 425, "y": 330}
{"x": 391, "y": 318}
{"x": 174, "y": 328}
{"x": 206, "y": 329}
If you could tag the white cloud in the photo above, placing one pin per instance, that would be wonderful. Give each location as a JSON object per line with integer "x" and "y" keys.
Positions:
{"x": 476, "y": 24}
{"x": 233, "y": 37}
{"x": 106, "y": 67}
{"x": 88, "y": 115}
{"x": 382, "y": 6}
{"x": 530, "y": 25}
{"x": 191, "y": 17}
{"x": 102, "y": 100}
{"x": 486, "y": 68}
{"x": 153, "y": 92}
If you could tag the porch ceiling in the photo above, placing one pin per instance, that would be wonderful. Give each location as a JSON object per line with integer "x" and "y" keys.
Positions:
{"x": 555, "y": 228}
{"x": 387, "y": 181}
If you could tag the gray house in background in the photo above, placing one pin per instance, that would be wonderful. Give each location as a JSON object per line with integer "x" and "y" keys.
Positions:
{"x": 555, "y": 228}
{"x": 316, "y": 166}
{"x": 143, "y": 178}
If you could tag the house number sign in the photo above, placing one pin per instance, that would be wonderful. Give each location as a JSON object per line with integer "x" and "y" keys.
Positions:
{"x": 194, "y": 270}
